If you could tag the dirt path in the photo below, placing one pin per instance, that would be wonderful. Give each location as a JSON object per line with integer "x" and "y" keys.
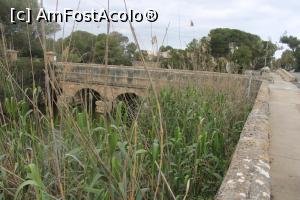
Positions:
{"x": 285, "y": 140}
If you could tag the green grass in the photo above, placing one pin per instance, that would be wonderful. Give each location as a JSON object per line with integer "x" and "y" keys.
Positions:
{"x": 84, "y": 158}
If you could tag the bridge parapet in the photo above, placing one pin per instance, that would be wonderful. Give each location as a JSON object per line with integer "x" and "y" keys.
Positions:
{"x": 113, "y": 81}
{"x": 133, "y": 76}
{"x": 248, "y": 176}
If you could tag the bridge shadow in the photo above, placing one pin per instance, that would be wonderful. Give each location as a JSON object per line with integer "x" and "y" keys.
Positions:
{"x": 127, "y": 105}
{"x": 86, "y": 98}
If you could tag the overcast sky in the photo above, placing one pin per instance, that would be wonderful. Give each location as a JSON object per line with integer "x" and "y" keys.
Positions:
{"x": 266, "y": 18}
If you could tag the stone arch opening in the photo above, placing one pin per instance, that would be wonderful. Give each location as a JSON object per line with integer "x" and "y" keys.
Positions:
{"x": 131, "y": 103}
{"x": 86, "y": 98}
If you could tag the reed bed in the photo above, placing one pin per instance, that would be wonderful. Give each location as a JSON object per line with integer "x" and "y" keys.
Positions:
{"x": 88, "y": 157}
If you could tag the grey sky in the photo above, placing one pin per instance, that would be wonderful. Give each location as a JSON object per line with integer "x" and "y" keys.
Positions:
{"x": 266, "y": 18}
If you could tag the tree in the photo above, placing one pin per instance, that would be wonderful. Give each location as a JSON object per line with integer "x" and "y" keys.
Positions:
{"x": 297, "y": 57}
{"x": 199, "y": 54}
{"x": 222, "y": 46}
{"x": 52, "y": 28}
{"x": 117, "y": 49}
{"x": 82, "y": 44}
{"x": 178, "y": 58}
{"x": 18, "y": 35}
{"x": 131, "y": 50}
{"x": 287, "y": 60}
{"x": 291, "y": 41}
{"x": 242, "y": 56}
{"x": 294, "y": 45}
{"x": 243, "y": 48}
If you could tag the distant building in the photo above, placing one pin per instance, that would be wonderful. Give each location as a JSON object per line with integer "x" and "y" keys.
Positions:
{"x": 165, "y": 54}
{"x": 153, "y": 54}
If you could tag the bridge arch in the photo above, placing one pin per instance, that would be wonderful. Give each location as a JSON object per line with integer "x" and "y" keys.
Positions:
{"x": 86, "y": 98}
{"x": 131, "y": 102}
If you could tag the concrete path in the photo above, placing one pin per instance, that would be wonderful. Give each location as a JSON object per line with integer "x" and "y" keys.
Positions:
{"x": 285, "y": 140}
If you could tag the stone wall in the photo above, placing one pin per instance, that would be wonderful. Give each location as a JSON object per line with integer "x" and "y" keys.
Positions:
{"x": 129, "y": 78}
{"x": 113, "y": 81}
{"x": 248, "y": 176}
{"x": 285, "y": 75}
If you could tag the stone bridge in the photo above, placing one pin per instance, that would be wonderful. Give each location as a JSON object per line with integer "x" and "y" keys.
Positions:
{"x": 275, "y": 113}
{"x": 107, "y": 85}
{"x": 248, "y": 175}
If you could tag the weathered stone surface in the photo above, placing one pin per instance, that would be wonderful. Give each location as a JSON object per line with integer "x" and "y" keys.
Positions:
{"x": 103, "y": 106}
{"x": 115, "y": 80}
{"x": 248, "y": 176}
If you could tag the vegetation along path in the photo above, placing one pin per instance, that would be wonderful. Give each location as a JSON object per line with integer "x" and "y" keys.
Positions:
{"x": 285, "y": 137}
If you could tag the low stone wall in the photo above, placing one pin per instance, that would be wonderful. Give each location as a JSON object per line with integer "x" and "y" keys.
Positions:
{"x": 285, "y": 75}
{"x": 248, "y": 175}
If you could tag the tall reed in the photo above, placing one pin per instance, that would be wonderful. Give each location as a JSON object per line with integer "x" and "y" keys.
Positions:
{"x": 118, "y": 160}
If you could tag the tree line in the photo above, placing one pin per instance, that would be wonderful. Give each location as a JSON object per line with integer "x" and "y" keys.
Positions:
{"x": 221, "y": 50}
{"x": 26, "y": 38}
{"x": 290, "y": 58}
